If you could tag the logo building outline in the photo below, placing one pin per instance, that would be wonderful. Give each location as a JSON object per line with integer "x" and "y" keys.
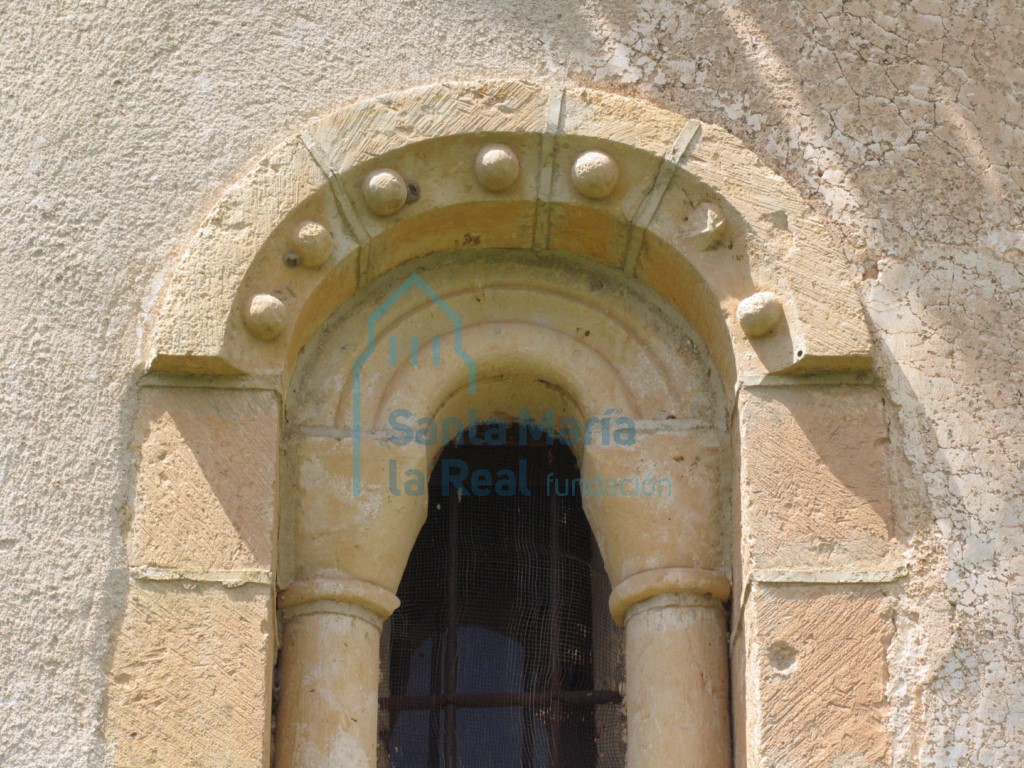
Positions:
{"x": 414, "y": 280}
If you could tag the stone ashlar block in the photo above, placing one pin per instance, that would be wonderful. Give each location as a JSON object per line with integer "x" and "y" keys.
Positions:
{"x": 190, "y": 681}
{"x": 816, "y": 675}
{"x": 206, "y": 488}
{"x": 812, "y": 480}
{"x": 332, "y": 528}
{"x": 657, "y": 503}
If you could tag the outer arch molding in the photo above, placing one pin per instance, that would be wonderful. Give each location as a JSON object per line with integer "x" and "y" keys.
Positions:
{"x": 693, "y": 215}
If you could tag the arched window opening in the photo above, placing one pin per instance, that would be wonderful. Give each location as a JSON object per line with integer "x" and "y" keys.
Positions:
{"x": 503, "y": 652}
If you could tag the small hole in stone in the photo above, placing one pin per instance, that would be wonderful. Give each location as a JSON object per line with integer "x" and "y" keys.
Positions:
{"x": 291, "y": 260}
{"x": 781, "y": 655}
{"x": 414, "y": 193}
{"x": 799, "y": 353}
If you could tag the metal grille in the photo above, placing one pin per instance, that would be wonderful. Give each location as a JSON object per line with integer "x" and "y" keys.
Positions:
{"x": 503, "y": 654}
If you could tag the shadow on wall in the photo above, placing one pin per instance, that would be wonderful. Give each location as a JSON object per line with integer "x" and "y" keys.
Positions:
{"x": 839, "y": 105}
{"x": 848, "y": 104}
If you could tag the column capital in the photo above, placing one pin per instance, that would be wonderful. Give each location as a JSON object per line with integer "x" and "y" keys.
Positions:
{"x": 334, "y": 595}
{"x": 662, "y": 581}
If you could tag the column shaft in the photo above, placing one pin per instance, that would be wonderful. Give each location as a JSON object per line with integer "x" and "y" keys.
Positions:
{"x": 677, "y": 683}
{"x": 327, "y": 713}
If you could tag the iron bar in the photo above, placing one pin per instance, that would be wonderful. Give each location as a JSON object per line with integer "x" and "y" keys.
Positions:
{"x": 555, "y": 612}
{"x": 451, "y": 659}
{"x": 487, "y": 700}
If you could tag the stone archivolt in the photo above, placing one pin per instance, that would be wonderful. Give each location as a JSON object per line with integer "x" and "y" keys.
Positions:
{"x": 692, "y": 214}
{"x": 597, "y": 252}
{"x": 549, "y": 333}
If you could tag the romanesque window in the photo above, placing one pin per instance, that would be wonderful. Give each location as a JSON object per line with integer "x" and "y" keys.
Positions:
{"x": 503, "y": 652}
{"x": 605, "y": 257}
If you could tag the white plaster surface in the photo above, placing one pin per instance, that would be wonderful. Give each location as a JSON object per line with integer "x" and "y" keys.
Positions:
{"x": 901, "y": 121}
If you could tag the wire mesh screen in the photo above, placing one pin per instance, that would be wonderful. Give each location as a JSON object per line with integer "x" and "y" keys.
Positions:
{"x": 503, "y": 654}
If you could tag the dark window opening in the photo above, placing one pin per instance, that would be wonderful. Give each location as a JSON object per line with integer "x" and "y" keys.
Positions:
{"x": 503, "y": 654}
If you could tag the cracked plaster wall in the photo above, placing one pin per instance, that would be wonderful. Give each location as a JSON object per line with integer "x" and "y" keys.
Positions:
{"x": 901, "y": 122}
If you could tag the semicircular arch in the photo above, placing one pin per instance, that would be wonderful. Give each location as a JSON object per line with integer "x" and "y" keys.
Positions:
{"x": 691, "y": 214}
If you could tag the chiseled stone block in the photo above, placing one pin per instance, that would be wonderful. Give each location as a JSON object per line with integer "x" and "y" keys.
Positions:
{"x": 656, "y": 503}
{"x": 190, "y": 681}
{"x": 207, "y": 478}
{"x": 195, "y": 318}
{"x": 812, "y": 478}
{"x": 816, "y": 675}
{"x": 329, "y": 528}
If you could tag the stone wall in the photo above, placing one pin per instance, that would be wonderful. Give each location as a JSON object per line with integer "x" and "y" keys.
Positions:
{"x": 898, "y": 122}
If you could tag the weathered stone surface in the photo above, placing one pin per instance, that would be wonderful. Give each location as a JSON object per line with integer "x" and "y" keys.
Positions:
{"x": 199, "y": 299}
{"x": 595, "y": 175}
{"x": 704, "y": 288}
{"x": 597, "y": 223}
{"x": 817, "y": 676}
{"x": 327, "y": 714}
{"x": 313, "y": 244}
{"x": 385, "y": 191}
{"x": 759, "y": 313}
{"x": 832, "y": 322}
{"x": 589, "y": 112}
{"x": 283, "y": 266}
{"x": 497, "y": 167}
{"x": 677, "y": 684}
{"x": 673, "y": 513}
{"x": 452, "y": 210}
{"x": 361, "y": 132}
{"x": 738, "y": 694}
{"x": 265, "y": 316}
{"x": 206, "y": 489}
{"x": 333, "y": 527}
{"x": 590, "y": 317}
{"x": 899, "y": 123}
{"x": 190, "y": 681}
{"x": 382, "y": 156}
{"x": 813, "y": 481}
